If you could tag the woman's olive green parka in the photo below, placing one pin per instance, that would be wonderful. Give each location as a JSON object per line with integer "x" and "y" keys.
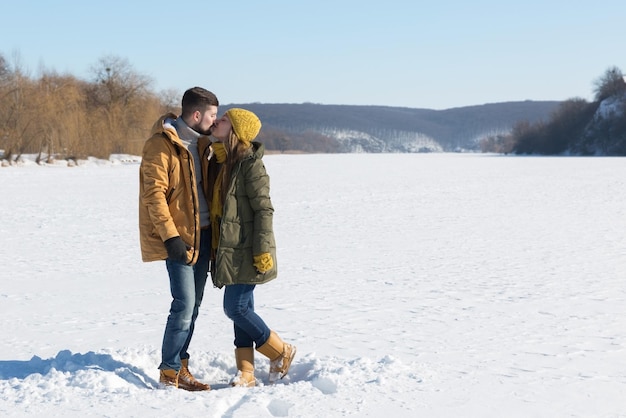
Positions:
{"x": 246, "y": 227}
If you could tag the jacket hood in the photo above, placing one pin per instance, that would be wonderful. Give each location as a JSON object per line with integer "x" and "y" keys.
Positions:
{"x": 257, "y": 149}
{"x": 163, "y": 126}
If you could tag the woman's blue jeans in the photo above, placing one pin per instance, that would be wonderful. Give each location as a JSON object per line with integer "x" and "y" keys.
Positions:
{"x": 239, "y": 307}
{"x": 187, "y": 287}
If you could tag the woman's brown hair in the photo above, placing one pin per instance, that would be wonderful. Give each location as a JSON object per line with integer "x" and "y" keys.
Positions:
{"x": 235, "y": 150}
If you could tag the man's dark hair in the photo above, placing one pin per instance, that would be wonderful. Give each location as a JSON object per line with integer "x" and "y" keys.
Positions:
{"x": 197, "y": 98}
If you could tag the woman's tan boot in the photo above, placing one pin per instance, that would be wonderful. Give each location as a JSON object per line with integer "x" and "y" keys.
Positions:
{"x": 245, "y": 366}
{"x": 280, "y": 354}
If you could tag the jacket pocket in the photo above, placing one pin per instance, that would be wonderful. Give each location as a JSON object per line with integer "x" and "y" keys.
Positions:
{"x": 230, "y": 234}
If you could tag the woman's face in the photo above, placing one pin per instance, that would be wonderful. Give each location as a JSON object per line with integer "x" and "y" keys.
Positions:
{"x": 222, "y": 128}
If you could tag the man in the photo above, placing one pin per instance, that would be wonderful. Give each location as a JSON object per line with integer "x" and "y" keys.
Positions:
{"x": 174, "y": 222}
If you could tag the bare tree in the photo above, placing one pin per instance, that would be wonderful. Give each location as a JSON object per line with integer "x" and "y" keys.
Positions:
{"x": 17, "y": 110}
{"x": 170, "y": 100}
{"x": 119, "y": 100}
{"x": 116, "y": 82}
{"x": 611, "y": 83}
{"x": 62, "y": 116}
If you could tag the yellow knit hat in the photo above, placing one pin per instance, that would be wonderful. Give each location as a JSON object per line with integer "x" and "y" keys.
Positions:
{"x": 245, "y": 124}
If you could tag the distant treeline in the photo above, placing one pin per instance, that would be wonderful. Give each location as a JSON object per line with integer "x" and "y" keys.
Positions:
{"x": 60, "y": 116}
{"x": 576, "y": 127}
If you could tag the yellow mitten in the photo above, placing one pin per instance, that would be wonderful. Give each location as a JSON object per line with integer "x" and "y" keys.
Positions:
{"x": 263, "y": 262}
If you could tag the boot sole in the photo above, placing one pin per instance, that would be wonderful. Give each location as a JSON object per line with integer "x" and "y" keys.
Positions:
{"x": 291, "y": 357}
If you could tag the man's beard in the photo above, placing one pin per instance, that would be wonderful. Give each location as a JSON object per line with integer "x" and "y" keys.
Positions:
{"x": 203, "y": 131}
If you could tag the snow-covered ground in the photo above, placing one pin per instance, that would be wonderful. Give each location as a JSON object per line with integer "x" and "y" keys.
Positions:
{"x": 434, "y": 285}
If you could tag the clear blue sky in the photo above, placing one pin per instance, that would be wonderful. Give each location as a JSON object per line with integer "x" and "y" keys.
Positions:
{"x": 435, "y": 54}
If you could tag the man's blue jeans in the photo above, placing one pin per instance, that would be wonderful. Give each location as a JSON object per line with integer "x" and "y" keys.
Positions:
{"x": 187, "y": 288}
{"x": 239, "y": 306}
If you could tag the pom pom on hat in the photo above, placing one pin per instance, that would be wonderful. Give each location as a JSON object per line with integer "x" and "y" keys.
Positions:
{"x": 245, "y": 124}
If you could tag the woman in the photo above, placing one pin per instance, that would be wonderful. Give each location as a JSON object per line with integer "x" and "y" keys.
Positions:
{"x": 244, "y": 250}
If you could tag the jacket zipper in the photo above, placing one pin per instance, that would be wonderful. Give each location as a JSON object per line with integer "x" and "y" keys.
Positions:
{"x": 169, "y": 195}
{"x": 196, "y": 227}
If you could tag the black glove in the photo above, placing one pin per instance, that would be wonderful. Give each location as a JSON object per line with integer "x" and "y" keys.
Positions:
{"x": 176, "y": 249}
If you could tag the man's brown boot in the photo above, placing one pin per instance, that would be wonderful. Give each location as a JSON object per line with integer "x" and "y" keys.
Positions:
{"x": 187, "y": 381}
{"x": 168, "y": 377}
